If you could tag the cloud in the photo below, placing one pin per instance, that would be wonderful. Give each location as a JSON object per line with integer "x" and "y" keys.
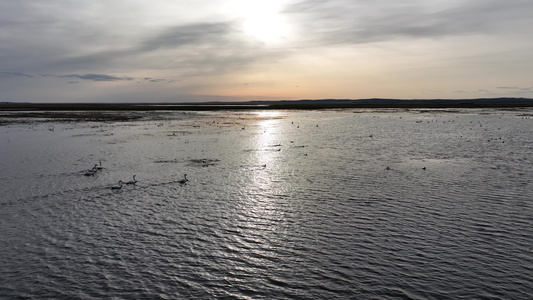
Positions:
{"x": 15, "y": 74}
{"x": 91, "y": 77}
{"x": 215, "y": 33}
{"x": 357, "y": 22}
{"x": 508, "y": 88}
{"x": 88, "y": 77}
{"x": 515, "y": 88}
{"x": 158, "y": 80}
{"x": 97, "y": 77}
{"x": 196, "y": 49}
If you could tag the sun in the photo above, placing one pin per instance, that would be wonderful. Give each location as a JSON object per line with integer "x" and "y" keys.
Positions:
{"x": 262, "y": 20}
{"x": 265, "y": 28}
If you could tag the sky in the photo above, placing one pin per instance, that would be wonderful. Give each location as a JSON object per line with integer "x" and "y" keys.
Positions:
{"x": 240, "y": 50}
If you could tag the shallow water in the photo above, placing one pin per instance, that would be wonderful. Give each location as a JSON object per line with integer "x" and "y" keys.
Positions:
{"x": 279, "y": 204}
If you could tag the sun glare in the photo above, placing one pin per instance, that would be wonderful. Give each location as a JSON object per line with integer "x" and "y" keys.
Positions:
{"x": 263, "y": 20}
{"x": 267, "y": 114}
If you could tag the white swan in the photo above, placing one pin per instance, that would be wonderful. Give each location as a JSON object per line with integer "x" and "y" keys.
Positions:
{"x": 91, "y": 172}
{"x": 184, "y": 180}
{"x": 132, "y": 181}
{"x": 117, "y": 187}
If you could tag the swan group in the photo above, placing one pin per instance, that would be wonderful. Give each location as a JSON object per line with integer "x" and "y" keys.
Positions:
{"x": 134, "y": 181}
{"x": 120, "y": 183}
{"x": 94, "y": 169}
{"x": 98, "y": 167}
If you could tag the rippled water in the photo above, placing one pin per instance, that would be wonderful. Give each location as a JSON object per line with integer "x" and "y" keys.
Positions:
{"x": 279, "y": 205}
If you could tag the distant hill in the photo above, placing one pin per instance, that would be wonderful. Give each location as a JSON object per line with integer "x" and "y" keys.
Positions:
{"x": 384, "y": 103}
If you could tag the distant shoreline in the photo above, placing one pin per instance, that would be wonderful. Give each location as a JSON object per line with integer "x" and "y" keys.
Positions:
{"x": 283, "y": 104}
{"x": 11, "y": 113}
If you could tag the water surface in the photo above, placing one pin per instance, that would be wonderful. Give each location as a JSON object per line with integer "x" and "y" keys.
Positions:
{"x": 279, "y": 205}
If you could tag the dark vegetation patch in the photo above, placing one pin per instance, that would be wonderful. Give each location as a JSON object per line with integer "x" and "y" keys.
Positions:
{"x": 60, "y": 116}
{"x": 167, "y": 161}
